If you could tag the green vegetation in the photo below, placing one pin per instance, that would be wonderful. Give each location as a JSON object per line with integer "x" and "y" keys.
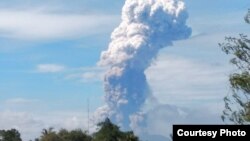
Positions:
{"x": 64, "y": 135}
{"x": 107, "y": 132}
{"x": 10, "y": 135}
{"x": 237, "y": 105}
{"x": 110, "y": 132}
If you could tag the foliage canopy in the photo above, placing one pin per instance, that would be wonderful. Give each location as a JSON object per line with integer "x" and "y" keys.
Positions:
{"x": 237, "y": 105}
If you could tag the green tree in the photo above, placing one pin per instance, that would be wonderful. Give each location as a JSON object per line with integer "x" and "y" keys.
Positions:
{"x": 10, "y": 135}
{"x": 237, "y": 104}
{"x": 74, "y": 135}
{"x": 107, "y": 132}
{"x": 49, "y": 135}
{"x": 111, "y": 132}
{"x": 64, "y": 135}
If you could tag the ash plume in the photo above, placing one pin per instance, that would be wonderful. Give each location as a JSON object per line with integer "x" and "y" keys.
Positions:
{"x": 146, "y": 27}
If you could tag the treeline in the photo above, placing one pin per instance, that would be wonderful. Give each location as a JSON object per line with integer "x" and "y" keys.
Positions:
{"x": 107, "y": 132}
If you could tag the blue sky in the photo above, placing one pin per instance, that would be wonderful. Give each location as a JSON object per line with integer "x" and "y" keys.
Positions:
{"x": 49, "y": 52}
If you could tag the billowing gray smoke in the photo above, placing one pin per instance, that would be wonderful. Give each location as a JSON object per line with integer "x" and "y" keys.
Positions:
{"x": 146, "y": 27}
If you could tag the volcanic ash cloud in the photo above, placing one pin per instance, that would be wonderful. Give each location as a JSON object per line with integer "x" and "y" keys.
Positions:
{"x": 146, "y": 27}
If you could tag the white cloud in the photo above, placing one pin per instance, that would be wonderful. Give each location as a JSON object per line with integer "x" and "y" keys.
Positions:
{"x": 26, "y": 123}
{"x": 37, "y": 24}
{"x": 49, "y": 68}
{"x": 86, "y": 75}
{"x": 181, "y": 81}
{"x": 30, "y": 125}
{"x": 160, "y": 119}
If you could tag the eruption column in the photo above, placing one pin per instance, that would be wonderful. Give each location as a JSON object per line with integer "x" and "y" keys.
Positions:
{"x": 146, "y": 27}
